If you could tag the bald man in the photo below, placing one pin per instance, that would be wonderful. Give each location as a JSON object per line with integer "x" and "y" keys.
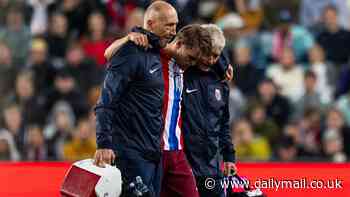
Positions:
{"x": 160, "y": 18}
{"x": 129, "y": 111}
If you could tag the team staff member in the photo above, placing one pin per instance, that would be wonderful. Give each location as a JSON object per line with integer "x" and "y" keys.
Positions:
{"x": 128, "y": 113}
{"x": 206, "y": 118}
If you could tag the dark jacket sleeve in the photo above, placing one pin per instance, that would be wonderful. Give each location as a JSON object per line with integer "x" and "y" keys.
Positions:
{"x": 225, "y": 140}
{"x": 121, "y": 70}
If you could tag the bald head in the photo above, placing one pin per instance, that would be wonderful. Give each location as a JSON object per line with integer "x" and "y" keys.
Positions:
{"x": 161, "y": 19}
{"x": 158, "y": 11}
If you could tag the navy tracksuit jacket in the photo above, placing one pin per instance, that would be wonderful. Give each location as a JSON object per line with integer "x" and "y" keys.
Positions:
{"x": 128, "y": 113}
{"x": 206, "y": 119}
{"x": 206, "y": 125}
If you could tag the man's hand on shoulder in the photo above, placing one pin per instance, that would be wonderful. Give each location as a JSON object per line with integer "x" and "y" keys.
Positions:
{"x": 104, "y": 156}
{"x": 139, "y": 39}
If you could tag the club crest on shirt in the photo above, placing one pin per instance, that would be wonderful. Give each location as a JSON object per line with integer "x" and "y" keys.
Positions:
{"x": 217, "y": 94}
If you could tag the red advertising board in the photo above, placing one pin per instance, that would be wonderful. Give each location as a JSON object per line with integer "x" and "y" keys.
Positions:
{"x": 275, "y": 179}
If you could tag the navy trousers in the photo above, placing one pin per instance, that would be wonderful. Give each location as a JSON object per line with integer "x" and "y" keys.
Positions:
{"x": 132, "y": 163}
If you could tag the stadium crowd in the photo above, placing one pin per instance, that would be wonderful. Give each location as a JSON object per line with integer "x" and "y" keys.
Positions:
{"x": 289, "y": 99}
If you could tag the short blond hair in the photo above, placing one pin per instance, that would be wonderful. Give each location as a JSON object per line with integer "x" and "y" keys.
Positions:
{"x": 217, "y": 36}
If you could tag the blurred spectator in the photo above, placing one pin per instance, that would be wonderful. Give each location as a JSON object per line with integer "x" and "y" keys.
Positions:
{"x": 310, "y": 15}
{"x": 59, "y": 129}
{"x": 95, "y": 42}
{"x": 343, "y": 86}
{"x": 83, "y": 144}
{"x": 272, "y": 10}
{"x": 237, "y": 102}
{"x": 293, "y": 130}
{"x": 287, "y": 150}
{"x": 8, "y": 149}
{"x": 288, "y": 35}
{"x": 335, "y": 123}
{"x": 135, "y": 18}
{"x": 76, "y": 12}
{"x": 249, "y": 146}
{"x": 310, "y": 98}
{"x": 343, "y": 104}
{"x": 4, "y": 7}
{"x": 81, "y": 67}
{"x": 262, "y": 125}
{"x": 39, "y": 16}
{"x": 13, "y": 123}
{"x": 17, "y": 36}
{"x": 210, "y": 9}
{"x": 333, "y": 146}
{"x": 65, "y": 89}
{"x": 304, "y": 138}
{"x": 300, "y": 137}
{"x": 118, "y": 11}
{"x": 231, "y": 24}
{"x": 326, "y": 77}
{"x": 7, "y": 70}
{"x": 287, "y": 75}
{"x": 57, "y": 37}
{"x": 277, "y": 106}
{"x": 248, "y": 75}
{"x": 334, "y": 39}
{"x": 35, "y": 147}
{"x": 251, "y": 12}
{"x": 310, "y": 128}
{"x": 25, "y": 96}
{"x": 39, "y": 62}
{"x": 187, "y": 10}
